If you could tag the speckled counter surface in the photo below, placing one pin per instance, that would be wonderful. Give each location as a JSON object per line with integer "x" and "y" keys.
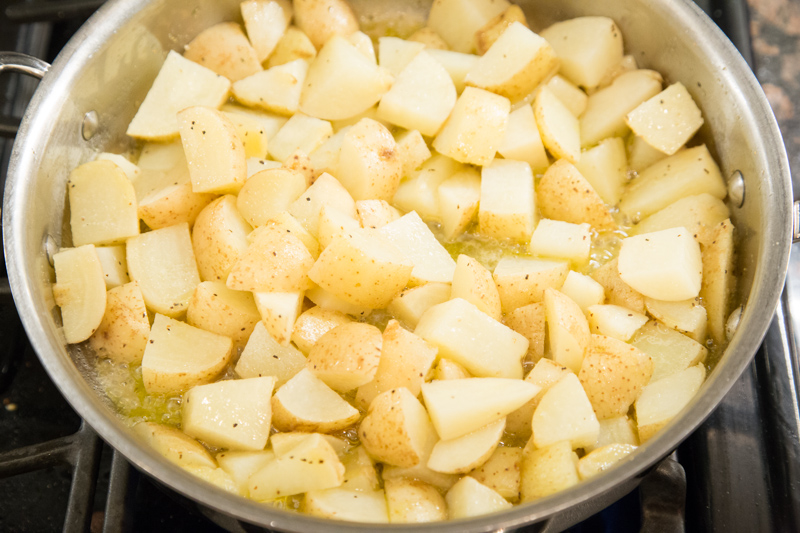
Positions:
{"x": 775, "y": 31}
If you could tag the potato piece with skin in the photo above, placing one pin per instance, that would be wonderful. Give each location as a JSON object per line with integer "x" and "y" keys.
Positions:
{"x": 460, "y": 406}
{"x": 662, "y": 400}
{"x": 562, "y": 240}
{"x": 277, "y": 89}
{"x": 617, "y": 430}
{"x": 687, "y": 316}
{"x": 342, "y": 83}
{"x": 601, "y": 459}
{"x": 359, "y": 471}
{"x": 429, "y": 38}
{"x": 263, "y": 356}
{"x": 640, "y": 154}
{"x": 219, "y": 238}
{"x": 420, "y": 192}
{"x": 522, "y": 281}
{"x": 467, "y": 452}
{"x": 699, "y": 214}
{"x": 233, "y": 414}
{"x": 446, "y": 369}
{"x": 269, "y": 123}
{"x": 617, "y": 291}
{"x": 294, "y": 44}
{"x": 369, "y": 165}
{"x": 275, "y": 262}
{"x": 529, "y": 321}
{"x": 362, "y": 269}
{"x": 304, "y": 403}
{"x": 241, "y": 465}
{"x": 507, "y": 205}
{"x": 173, "y": 204}
{"x": 216, "y": 308}
{"x": 180, "y": 83}
{"x": 569, "y": 94}
{"x": 347, "y": 356}
{"x": 567, "y": 329}
{"x": 122, "y": 335}
{"x": 102, "y": 202}
{"x": 325, "y": 158}
{"x": 313, "y": 324}
{"x": 325, "y": 190}
{"x": 432, "y": 262}
{"x": 558, "y": 126}
{"x": 583, "y": 290}
{"x": 517, "y": 62}
{"x": 421, "y": 98}
{"x": 375, "y": 214}
{"x": 396, "y": 429}
{"x": 175, "y": 445}
{"x": 321, "y": 20}
{"x": 412, "y": 150}
{"x": 564, "y": 194}
{"x": 213, "y": 149}
{"x": 474, "y": 283}
{"x": 492, "y": 30}
{"x": 476, "y": 127}
{"x": 131, "y": 170}
{"x": 330, "y": 302}
{"x": 395, "y": 53}
{"x": 411, "y": 304}
{"x": 345, "y": 504}
{"x": 469, "y": 498}
{"x": 279, "y": 311}
{"x": 162, "y": 262}
{"x": 456, "y": 64}
{"x": 459, "y": 200}
{"x": 411, "y": 501}
{"x": 286, "y": 223}
{"x": 457, "y": 21}
{"x": 501, "y": 472}
{"x": 667, "y": 120}
{"x": 548, "y": 470}
{"x": 284, "y": 442}
{"x": 614, "y": 321}
{"x": 613, "y": 375}
{"x": 115, "y": 265}
{"x": 300, "y": 133}
{"x": 269, "y": 192}
{"x": 522, "y": 141}
{"x": 565, "y": 414}
{"x": 605, "y": 167}
{"x": 254, "y": 138}
{"x": 466, "y": 335}
{"x": 544, "y": 375}
{"x": 333, "y": 223}
{"x": 313, "y": 465}
{"x": 265, "y": 22}
{"x": 179, "y": 356}
{"x": 405, "y": 361}
{"x": 224, "y": 48}
{"x": 718, "y": 281}
{"x": 80, "y": 292}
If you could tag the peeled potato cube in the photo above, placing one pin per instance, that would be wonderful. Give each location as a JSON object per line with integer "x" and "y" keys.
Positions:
{"x": 565, "y": 414}
{"x": 667, "y": 120}
{"x": 263, "y": 356}
{"x": 267, "y": 193}
{"x": 545, "y": 374}
{"x": 375, "y": 214}
{"x": 300, "y": 133}
{"x": 718, "y": 281}
{"x": 476, "y": 127}
{"x": 411, "y": 304}
{"x": 422, "y": 473}
{"x": 558, "y": 126}
{"x": 600, "y": 459}
{"x": 687, "y": 316}
{"x": 412, "y": 501}
{"x": 432, "y": 263}
{"x": 312, "y": 465}
{"x": 614, "y": 321}
{"x": 662, "y": 400}
{"x": 468, "y": 336}
{"x": 583, "y": 290}
{"x": 460, "y": 406}
{"x": 507, "y": 205}
{"x": 700, "y": 214}
{"x": 456, "y": 64}
{"x": 501, "y": 472}
{"x": 216, "y": 308}
{"x": 419, "y": 193}
{"x": 102, "y": 203}
{"x": 492, "y": 30}
{"x": 284, "y": 442}
{"x": 467, "y": 452}
{"x": 347, "y": 504}
{"x": 457, "y": 21}
{"x": 175, "y": 445}
{"x": 265, "y": 22}
{"x": 548, "y": 470}
{"x": 304, "y": 403}
{"x": 347, "y": 356}
{"x": 330, "y": 302}
{"x": 294, "y": 44}
{"x": 395, "y": 53}
{"x": 277, "y": 89}
{"x": 564, "y": 194}
{"x": 80, "y": 291}
{"x": 341, "y": 82}
{"x": 412, "y": 150}
{"x": 421, "y": 98}
{"x": 605, "y": 167}
{"x": 313, "y": 324}
{"x": 241, "y": 465}
{"x": 522, "y": 281}
{"x": 469, "y": 498}
{"x": 326, "y": 190}
{"x": 268, "y": 123}
{"x": 362, "y": 269}
{"x": 570, "y": 95}
{"x": 567, "y": 328}
{"x": 474, "y": 283}
{"x": 515, "y": 64}
{"x": 562, "y": 240}
{"x": 369, "y": 164}
{"x": 617, "y": 291}
{"x": 114, "y": 264}
{"x": 359, "y": 471}
{"x": 180, "y": 83}
{"x": 162, "y": 262}
{"x": 396, "y": 429}
{"x": 446, "y": 369}
{"x": 219, "y": 238}
{"x": 278, "y": 311}
{"x": 588, "y": 48}
{"x": 234, "y": 414}
{"x": 122, "y": 334}
{"x": 640, "y": 154}
{"x": 322, "y": 20}
{"x": 670, "y": 351}
{"x": 617, "y": 430}
{"x": 522, "y": 141}
{"x": 213, "y": 149}
{"x": 665, "y": 265}
{"x": 179, "y": 356}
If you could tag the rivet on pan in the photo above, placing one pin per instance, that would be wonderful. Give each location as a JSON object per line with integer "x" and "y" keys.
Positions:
{"x": 90, "y": 125}
{"x": 736, "y": 188}
{"x": 50, "y": 248}
{"x": 733, "y": 322}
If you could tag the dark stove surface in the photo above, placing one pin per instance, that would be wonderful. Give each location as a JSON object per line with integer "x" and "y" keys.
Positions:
{"x": 740, "y": 473}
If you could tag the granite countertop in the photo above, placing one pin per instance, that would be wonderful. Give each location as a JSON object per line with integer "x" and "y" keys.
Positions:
{"x": 775, "y": 31}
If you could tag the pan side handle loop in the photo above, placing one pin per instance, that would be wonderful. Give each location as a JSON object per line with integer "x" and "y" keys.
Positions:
{"x": 23, "y": 63}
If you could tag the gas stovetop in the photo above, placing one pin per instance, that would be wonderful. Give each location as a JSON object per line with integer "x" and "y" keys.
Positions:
{"x": 739, "y": 472}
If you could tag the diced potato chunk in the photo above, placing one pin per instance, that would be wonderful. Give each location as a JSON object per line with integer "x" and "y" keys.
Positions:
{"x": 687, "y": 316}
{"x": 162, "y": 262}
{"x": 102, "y": 204}
{"x": 456, "y": 64}
{"x": 583, "y": 290}
{"x": 600, "y": 459}
{"x": 219, "y": 238}
{"x": 564, "y": 194}
{"x": 411, "y": 304}
{"x": 522, "y": 141}
{"x": 322, "y": 20}
{"x": 565, "y": 414}
{"x": 179, "y": 356}
{"x": 180, "y": 83}
{"x": 501, "y": 472}
{"x": 570, "y": 95}
{"x": 474, "y": 283}
{"x": 122, "y": 335}
{"x": 412, "y": 150}
{"x": 216, "y": 308}
{"x": 459, "y": 198}
{"x": 278, "y": 311}
{"x": 300, "y": 133}
{"x": 432, "y": 263}
{"x": 558, "y": 126}
{"x": 369, "y": 164}
{"x": 544, "y": 375}
{"x": 305, "y": 403}
{"x": 80, "y": 292}
{"x": 175, "y": 445}
{"x": 233, "y": 414}
{"x": 224, "y": 48}
{"x": 395, "y": 53}
{"x": 457, "y": 21}
{"x": 241, "y": 465}
{"x": 420, "y": 193}
{"x": 265, "y": 22}
{"x": 347, "y": 356}
{"x": 429, "y": 38}
{"x": 605, "y": 167}
{"x": 667, "y": 120}
{"x": 277, "y": 89}
{"x": 467, "y": 452}
{"x": 326, "y": 190}
{"x": 548, "y": 470}
{"x": 346, "y": 504}
{"x": 413, "y": 501}
{"x": 476, "y": 127}
{"x": 567, "y": 329}
{"x": 614, "y": 321}
{"x": 468, "y": 498}
{"x": 670, "y": 351}
{"x": 700, "y": 214}
{"x": 267, "y": 193}
{"x": 662, "y": 400}
{"x": 522, "y": 281}
{"x": 264, "y": 356}
{"x": 617, "y": 430}
{"x": 468, "y": 336}
{"x": 665, "y": 265}
{"x": 507, "y": 205}
{"x": 313, "y": 324}
{"x": 617, "y": 291}
{"x": 718, "y": 281}
{"x": 515, "y": 64}
{"x": 529, "y": 321}
{"x": 562, "y": 240}
{"x": 492, "y": 30}
{"x": 294, "y": 44}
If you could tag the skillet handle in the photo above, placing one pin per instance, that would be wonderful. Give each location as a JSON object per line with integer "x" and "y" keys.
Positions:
{"x": 23, "y": 63}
